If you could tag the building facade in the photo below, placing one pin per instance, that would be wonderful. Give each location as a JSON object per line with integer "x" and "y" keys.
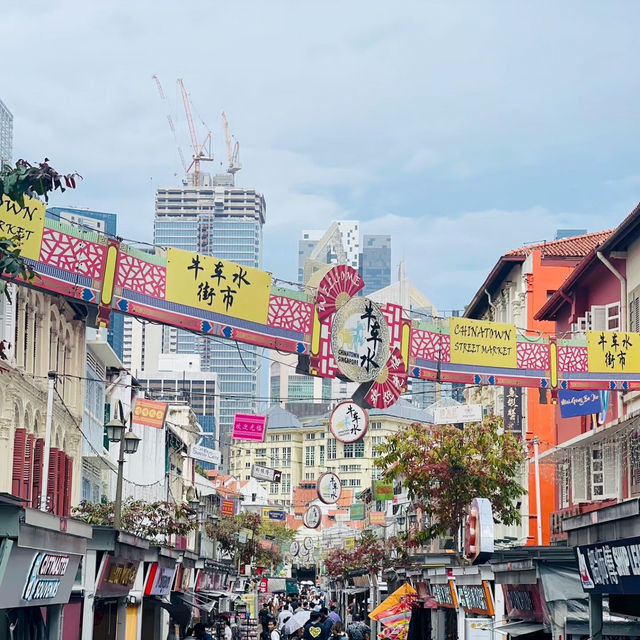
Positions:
{"x": 375, "y": 262}
{"x": 6, "y": 135}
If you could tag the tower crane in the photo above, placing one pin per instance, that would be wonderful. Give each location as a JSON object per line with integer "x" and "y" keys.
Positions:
{"x": 233, "y": 150}
{"x": 170, "y": 121}
{"x": 199, "y": 154}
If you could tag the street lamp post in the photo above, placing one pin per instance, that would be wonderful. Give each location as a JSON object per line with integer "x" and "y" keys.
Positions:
{"x": 129, "y": 442}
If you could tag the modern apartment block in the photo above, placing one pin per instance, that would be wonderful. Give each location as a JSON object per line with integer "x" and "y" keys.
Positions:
{"x": 225, "y": 221}
{"x": 6, "y": 134}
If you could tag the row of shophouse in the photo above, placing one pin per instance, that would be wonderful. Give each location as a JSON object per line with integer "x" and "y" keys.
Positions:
{"x": 61, "y": 577}
{"x": 571, "y": 568}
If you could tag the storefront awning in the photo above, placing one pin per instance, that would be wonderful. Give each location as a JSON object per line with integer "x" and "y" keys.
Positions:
{"x": 618, "y": 628}
{"x": 519, "y": 628}
{"x": 351, "y": 590}
{"x": 196, "y": 600}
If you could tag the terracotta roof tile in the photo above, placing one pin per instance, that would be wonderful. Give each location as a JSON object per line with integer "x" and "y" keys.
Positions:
{"x": 574, "y": 247}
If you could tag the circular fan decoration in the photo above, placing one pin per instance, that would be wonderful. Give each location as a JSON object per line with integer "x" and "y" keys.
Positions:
{"x": 392, "y": 379}
{"x": 337, "y": 287}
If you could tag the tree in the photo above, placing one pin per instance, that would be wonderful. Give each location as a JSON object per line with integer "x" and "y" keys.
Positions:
{"x": 155, "y": 521}
{"x": 15, "y": 183}
{"x": 367, "y": 553}
{"x": 443, "y": 468}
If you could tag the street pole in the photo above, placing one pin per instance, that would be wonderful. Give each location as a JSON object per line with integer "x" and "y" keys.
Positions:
{"x": 47, "y": 441}
{"x": 538, "y": 500}
{"x": 117, "y": 508}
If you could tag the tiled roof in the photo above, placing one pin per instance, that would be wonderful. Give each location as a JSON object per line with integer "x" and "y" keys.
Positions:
{"x": 279, "y": 418}
{"x": 574, "y": 247}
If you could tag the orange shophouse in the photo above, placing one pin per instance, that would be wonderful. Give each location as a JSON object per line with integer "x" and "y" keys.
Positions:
{"x": 516, "y": 288}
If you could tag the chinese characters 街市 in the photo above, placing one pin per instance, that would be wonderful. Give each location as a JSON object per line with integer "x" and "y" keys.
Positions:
{"x": 208, "y": 287}
{"x": 615, "y": 350}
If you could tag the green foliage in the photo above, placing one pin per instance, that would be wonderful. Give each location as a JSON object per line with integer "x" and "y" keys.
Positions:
{"x": 443, "y": 468}
{"x": 367, "y": 553}
{"x": 154, "y": 521}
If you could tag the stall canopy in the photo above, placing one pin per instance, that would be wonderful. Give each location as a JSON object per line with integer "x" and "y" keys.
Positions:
{"x": 519, "y": 628}
{"x": 404, "y": 593}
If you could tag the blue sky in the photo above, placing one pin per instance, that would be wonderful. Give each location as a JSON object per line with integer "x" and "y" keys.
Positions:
{"x": 464, "y": 129}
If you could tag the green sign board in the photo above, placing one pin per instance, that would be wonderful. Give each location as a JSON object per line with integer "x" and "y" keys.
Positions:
{"x": 383, "y": 490}
{"x": 356, "y": 512}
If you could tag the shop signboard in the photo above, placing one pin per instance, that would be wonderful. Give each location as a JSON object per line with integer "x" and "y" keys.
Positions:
{"x": 269, "y": 513}
{"x": 247, "y": 426}
{"x": 457, "y": 413}
{"x": 578, "y": 403}
{"x": 36, "y": 578}
{"x": 382, "y": 490}
{"x": 377, "y": 517}
{"x": 24, "y": 224}
{"x": 445, "y": 595}
{"x": 479, "y": 531}
{"x": 159, "y": 580}
{"x": 512, "y": 409}
{"x": 205, "y": 454}
{"x": 116, "y": 576}
{"x": 348, "y": 422}
{"x": 610, "y": 567}
{"x": 360, "y": 340}
{"x": 329, "y": 488}
{"x": 523, "y": 601}
{"x": 265, "y": 474}
{"x": 476, "y": 598}
{"x": 149, "y": 413}
{"x": 312, "y": 517}
{"x": 208, "y": 580}
{"x": 228, "y": 507}
{"x": 183, "y": 579}
{"x": 356, "y": 511}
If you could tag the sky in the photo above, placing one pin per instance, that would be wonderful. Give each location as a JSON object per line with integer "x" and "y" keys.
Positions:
{"x": 463, "y": 129}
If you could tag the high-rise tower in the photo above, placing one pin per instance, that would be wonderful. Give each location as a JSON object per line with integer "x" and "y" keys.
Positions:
{"x": 6, "y": 134}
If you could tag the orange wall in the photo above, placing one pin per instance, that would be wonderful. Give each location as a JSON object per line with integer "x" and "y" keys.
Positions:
{"x": 546, "y": 276}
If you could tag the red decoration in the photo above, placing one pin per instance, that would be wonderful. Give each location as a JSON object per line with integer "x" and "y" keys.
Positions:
{"x": 338, "y": 286}
{"x": 391, "y": 381}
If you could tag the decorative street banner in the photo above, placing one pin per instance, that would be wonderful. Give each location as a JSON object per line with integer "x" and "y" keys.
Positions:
{"x": 149, "y": 413}
{"x": 489, "y": 344}
{"x": 613, "y": 351}
{"x": 217, "y": 285}
{"x": 249, "y": 427}
{"x": 356, "y": 511}
{"x": 266, "y": 474}
{"x": 205, "y": 454}
{"x": 382, "y": 490}
{"x": 512, "y": 410}
{"x": 610, "y": 567}
{"x": 579, "y": 403}
{"x": 228, "y": 507}
{"x": 312, "y": 517}
{"x": 377, "y": 517}
{"x": 24, "y": 223}
{"x": 348, "y": 422}
{"x": 329, "y": 488}
{"x": 360, "y": 340}
{"x": 458, "y": 413}
{"x": 339, "y": 284}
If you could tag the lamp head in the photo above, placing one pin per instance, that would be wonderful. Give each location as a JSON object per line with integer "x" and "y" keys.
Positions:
{"x": 131, "y": 442}
{"x": 115, "y": 429}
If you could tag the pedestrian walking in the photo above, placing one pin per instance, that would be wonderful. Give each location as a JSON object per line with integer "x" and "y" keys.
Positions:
{"x": 358, "y": 630}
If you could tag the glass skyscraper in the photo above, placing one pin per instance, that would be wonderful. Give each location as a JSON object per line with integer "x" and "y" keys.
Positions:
{"x": 225, "y": 221}
{"x": 6, "y": 134}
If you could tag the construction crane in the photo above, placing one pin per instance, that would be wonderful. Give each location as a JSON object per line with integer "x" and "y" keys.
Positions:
{"x": 170, "y": 121}
{"x": 233, "y": 150}
{"x": 199, "y": 154}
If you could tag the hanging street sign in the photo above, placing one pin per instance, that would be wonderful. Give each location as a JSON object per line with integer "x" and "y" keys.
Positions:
{"x": 348, "y": 422}
{"x": 360, "y": 340}
{"x": 265, "y": 474}
{"x": 249, "y": 427}
{"x": 205, "y": 454}
{"x": 294, "y": 549}
{"x": 329, "y": 488}
{"x": 312, "y": 517}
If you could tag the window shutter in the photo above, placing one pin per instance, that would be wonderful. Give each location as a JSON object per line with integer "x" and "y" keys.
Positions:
{"x": 38, "y": 461}
{"x": 578, "y": 476}
{"x": 599, "y": 318}
{"x": 19, "y": 443}
{"x": 634, "y": 310}
{"x": 68, "y": 478}
{"x": 52, "y": 480}
{"x": 28, "y": 469}
{"x": 611, "y": 470}
{"x": 62, "y": 469}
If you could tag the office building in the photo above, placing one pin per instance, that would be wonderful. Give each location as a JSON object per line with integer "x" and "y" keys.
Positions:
{"x": 101, "y": 222}
{"x": 225, "y": 221}
{"x": 375, "y": 262}
{"x": 6, "y": 135}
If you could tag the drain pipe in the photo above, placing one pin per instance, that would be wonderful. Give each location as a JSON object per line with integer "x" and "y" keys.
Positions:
{"x": 493, "y": 306}
{"x": 623, "y": 290}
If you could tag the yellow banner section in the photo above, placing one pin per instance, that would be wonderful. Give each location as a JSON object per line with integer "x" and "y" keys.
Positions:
{"x": 26, "y": 223}
{"x": 613, "y": 351}
{"x": 489, "y": 344}
{"x": 217, "y": 285}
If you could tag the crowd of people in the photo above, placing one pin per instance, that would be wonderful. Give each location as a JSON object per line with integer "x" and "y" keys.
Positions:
{"x": 300, "y": 618}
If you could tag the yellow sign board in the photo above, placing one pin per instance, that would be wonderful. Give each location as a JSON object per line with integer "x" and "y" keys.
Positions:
{"x": 349, "y": 543}
{"x": 217, "y": 285}
{"x": 24, "y": 223}
{"x": 488, "y": 344}
{"x": 613, "y": 351}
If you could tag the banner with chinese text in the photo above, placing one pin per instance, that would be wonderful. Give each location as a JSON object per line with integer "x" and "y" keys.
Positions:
{"x": 249, "y": 427}
{"x": 217, "y": 285}
{"x": 613, "y": 351}
{"x": 149, "y": 413}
